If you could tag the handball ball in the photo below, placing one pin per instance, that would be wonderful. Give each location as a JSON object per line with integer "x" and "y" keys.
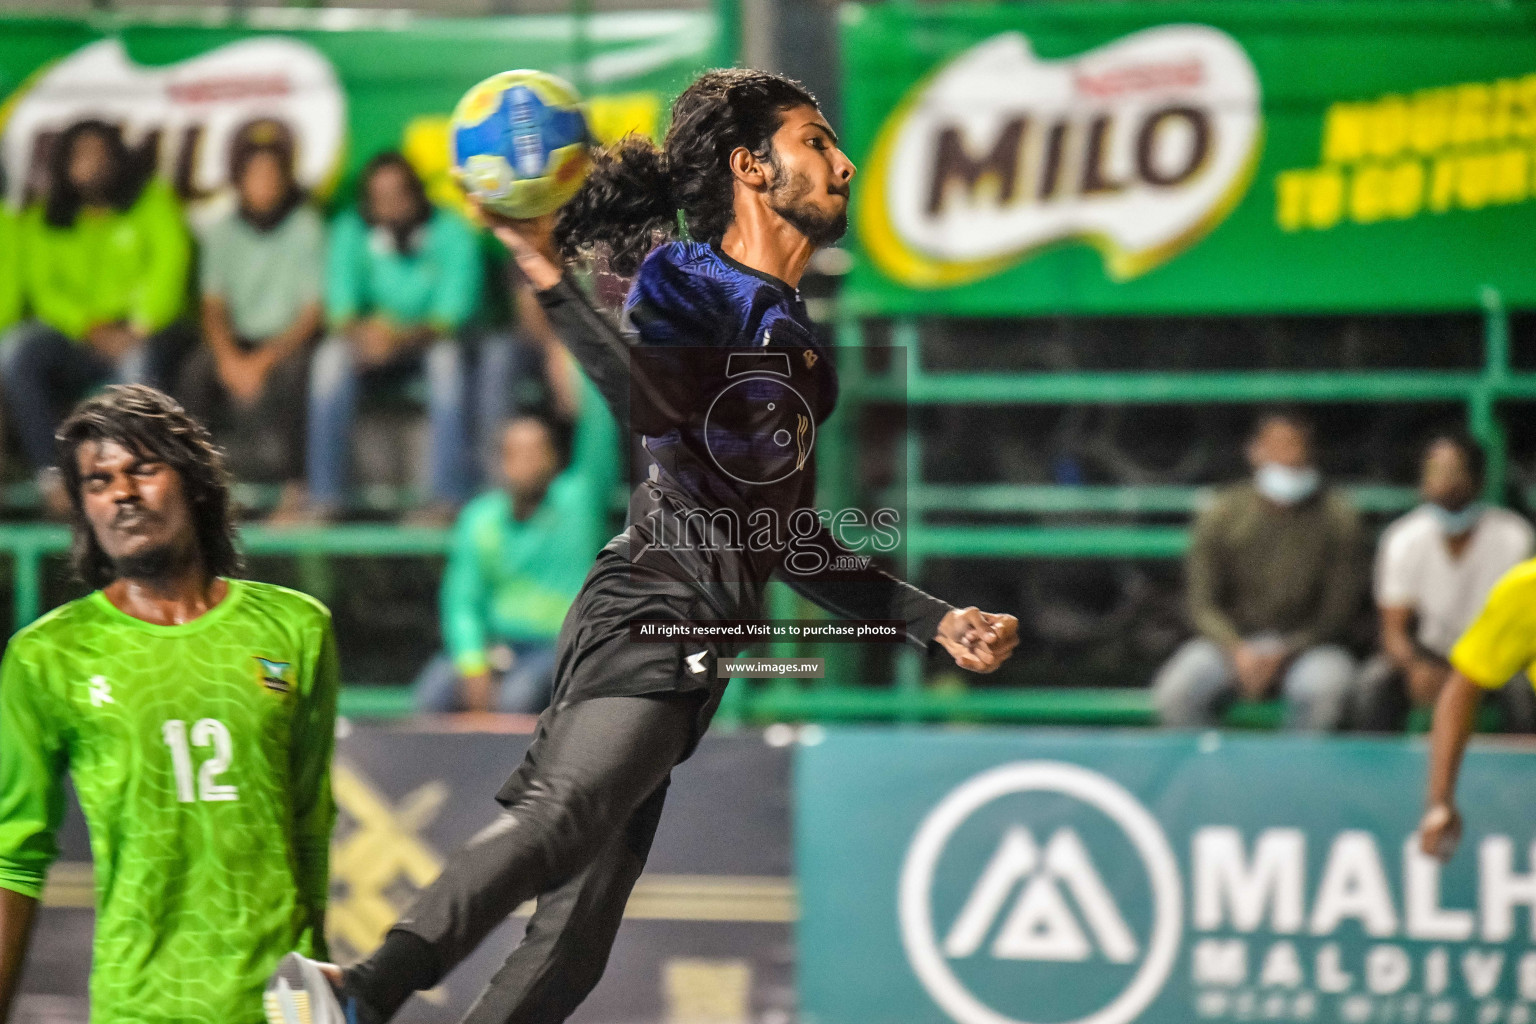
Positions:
{"x": 519, "y": 143}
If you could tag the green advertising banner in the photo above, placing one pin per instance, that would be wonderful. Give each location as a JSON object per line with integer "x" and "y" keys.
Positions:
{"x": 343, "y": 84}
{"x": 1018, "y": 877}
{"x": 1188, "y": 157}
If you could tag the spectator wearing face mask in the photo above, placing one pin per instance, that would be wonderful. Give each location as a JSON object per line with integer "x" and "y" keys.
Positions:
{"x": 1434, "y": 569}
{"x": 1272, "y": 583}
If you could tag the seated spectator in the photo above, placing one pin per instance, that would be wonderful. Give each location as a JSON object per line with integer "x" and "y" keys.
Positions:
{"x": 518, "y": 558}
{"x": 106, "y": 277}
{"x": 403, "y": 279}
{"x": 262, "y": 271}
{"x": 1434, "y": 569}
{"x": 1273, "y": 581}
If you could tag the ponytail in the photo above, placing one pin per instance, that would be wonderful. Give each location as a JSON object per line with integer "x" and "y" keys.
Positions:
{"x": 624, "y": 209}
{"x": 630, "y": 201}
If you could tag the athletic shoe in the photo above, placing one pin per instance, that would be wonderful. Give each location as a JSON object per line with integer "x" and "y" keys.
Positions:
{"x": 300, "y": 993}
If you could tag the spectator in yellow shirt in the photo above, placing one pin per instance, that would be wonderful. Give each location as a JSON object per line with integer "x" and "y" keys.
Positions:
{"x": 1499, "y": 645}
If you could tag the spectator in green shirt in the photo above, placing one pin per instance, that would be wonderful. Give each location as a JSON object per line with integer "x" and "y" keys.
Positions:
{"x": 106, "y": 277}
{"x": 403, "y": 280}
{"x": 263, "y": 270}
{"x": 518, "y": 558}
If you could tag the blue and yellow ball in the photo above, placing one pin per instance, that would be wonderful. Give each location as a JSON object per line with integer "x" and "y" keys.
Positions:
{"x": 519, "y": 143}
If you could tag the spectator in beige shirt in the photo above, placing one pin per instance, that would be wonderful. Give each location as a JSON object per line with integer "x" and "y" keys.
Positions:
{"x": 1273, "y": 580}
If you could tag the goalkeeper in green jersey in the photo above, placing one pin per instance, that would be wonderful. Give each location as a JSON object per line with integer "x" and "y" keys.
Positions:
{"x": 195, "y": 714}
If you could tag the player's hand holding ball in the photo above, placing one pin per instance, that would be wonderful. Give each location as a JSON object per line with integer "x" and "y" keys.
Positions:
{"x": 1440, "y": 831}
{"x": 520, "y": 150}
{"x": 978, "y": 641}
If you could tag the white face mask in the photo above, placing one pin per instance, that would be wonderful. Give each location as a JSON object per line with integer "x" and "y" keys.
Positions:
{"x": 1285, "y": 485}
{"x": 1456, "y": 524}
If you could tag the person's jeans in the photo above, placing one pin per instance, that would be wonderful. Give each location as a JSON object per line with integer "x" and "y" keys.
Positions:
{"x": 523, "y": 689}
{"x": 507, "y": 383}
{"x": 44, "y": 372}
{"x": 336, "y": 384}
{"x": 1199, "y": 681}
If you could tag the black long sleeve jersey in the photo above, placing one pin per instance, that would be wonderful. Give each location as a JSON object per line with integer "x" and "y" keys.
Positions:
{"x": 725, "y": 383}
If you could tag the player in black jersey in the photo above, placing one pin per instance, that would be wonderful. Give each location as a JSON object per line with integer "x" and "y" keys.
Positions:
{"x": 725, "y": 383}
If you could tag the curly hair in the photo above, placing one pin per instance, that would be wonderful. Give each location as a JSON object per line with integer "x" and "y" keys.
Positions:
{"x": 635, "y": 190}
{"x": 149, "y": 422}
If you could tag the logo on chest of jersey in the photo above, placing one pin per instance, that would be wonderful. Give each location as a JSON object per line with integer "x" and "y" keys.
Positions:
{"x": 100, "y": 691}
{"x": 273, "y": 674}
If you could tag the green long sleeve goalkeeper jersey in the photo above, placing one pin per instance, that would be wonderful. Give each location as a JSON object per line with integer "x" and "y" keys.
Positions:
{"x": 201, "y": 756}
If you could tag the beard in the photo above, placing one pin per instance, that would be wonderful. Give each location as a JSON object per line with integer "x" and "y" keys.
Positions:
{"x": 788, "y": 194}
{"x": 154, "y": 563}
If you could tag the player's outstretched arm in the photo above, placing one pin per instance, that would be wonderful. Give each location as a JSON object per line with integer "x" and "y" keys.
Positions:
{"x": 978, "y": 641}
{"x": 16, "y": 915}
{"x": 1455, "y": 713}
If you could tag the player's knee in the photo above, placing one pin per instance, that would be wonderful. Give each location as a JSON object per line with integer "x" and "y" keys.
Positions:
{"x": 572, "y": 819}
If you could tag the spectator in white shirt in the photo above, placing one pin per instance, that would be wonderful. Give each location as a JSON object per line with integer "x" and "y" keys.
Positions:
{"x": 1434, "y": 568}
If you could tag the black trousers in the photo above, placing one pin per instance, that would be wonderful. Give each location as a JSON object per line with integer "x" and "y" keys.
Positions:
{"x": 580, "y": 814}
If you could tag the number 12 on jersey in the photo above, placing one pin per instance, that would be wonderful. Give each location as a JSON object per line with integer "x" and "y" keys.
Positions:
{"x": 206, "y": 732}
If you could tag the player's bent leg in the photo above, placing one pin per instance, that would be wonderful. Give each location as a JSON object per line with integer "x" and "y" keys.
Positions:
{"x": 592, "y": 764}
{"x": 563, "y": 955}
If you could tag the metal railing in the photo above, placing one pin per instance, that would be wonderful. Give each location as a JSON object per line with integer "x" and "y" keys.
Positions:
{"x": 906, "y": 381}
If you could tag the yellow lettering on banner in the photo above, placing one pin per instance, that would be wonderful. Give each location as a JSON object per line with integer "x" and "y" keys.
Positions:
{"x": 1470, "y": 122}
{"x": 1344, "y": 132}
{"x": 1325, "y": 205}
{"x": 1367, "y": 192}
{"x": 1442, "y": 182}
{"x": 1405, "y": 189}
{"x": 1474, "y": 182}
{"x": 1430, "y": 120}
{"x": 1386, "y": 191}
{"x": 1501, "y": 118}
{"x": 1291, "y": 188}
{"x": 1525, "y": 123}
{"x": 1389, "y": 126}
{"x": 1510, "y": 175}
{"x": 1466, "y": 146}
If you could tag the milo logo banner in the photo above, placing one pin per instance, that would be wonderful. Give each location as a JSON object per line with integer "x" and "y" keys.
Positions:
{"x": 1190, "y": 157}
{"x": 1104, "y": 878}
{"x": 337, "y": 86}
